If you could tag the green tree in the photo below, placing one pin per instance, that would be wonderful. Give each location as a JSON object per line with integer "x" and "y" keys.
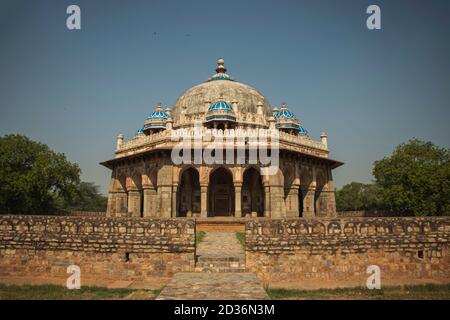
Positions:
{"x": 31, "y": 175}
{"x": 358, "y": 196}
{"x": 415, "y": 179}
{"x": 87, "y": 197}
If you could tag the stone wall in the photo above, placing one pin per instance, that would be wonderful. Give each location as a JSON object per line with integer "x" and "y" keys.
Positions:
{"x": 337, "y": 252}
{"x": 108, "y": 248}
{"x": 86, "y": 213}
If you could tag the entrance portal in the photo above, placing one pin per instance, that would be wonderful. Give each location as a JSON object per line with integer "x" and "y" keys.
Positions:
{"x": 220, "y": 193}
{"x": 188, "y": 194}
{"x": 252, "y": 193}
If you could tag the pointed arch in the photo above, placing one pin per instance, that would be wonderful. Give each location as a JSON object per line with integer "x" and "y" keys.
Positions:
{"x": 221, "y": 197}
{"x": 252, "y": 192}
{"x": 188, "y": 192}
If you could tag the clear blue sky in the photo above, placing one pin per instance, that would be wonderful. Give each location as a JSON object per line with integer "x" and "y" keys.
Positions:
{"x": 369, "y": 90}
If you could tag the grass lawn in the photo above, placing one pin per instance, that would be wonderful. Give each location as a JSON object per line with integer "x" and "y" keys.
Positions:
{"x": 416, "y": 292}
{"x": 199, "y": 235}
{"x": 241, "y": 237}
{"x": 55, "y": 292}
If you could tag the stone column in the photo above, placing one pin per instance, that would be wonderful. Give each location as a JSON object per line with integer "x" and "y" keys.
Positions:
{"x": 326, "y": 204}
{"x": 331, "y": 195}
{"x": 121, "y": 204}
{"x": 149, "y": 209}
{"x": 174, "y": 200}
{"x": 165, "y": 201}
{"x": 292, "y": 202}
{"x": 237, "y": 200}
{"x": 308, "y": 202}
{"x": 266, "y": 200}
{"x": 111, "y": 207}
{"x": 277, "y": 205}
{"x": 164, "y": 188}
{"x": 134, "y": 203}
{"x": 203, "y": 201}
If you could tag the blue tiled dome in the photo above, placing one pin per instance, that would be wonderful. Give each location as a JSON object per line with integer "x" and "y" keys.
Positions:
{"x": 287, "y": 120}
{"x": 220, "y": 111}
{"x": 140, "y": 131}
{"x": 158, "y": 114}
{"x": 284, "y": 113}
{"x": 157, "y": 119}
{"x": 302, "y": 131}
{"x": 220, "y": 105}
{"x": 222, "y": 76}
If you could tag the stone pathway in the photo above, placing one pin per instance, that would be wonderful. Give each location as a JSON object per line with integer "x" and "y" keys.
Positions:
{"x": 219, "y": 244}
{"x": 213, "y": 286}
{"x": 220, "y": 252}
{"x": 220, "y": 273}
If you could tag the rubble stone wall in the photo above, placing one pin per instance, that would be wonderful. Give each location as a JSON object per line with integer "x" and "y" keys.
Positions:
{"x": 340, "y": 250}
{"x": 113, "y": 248}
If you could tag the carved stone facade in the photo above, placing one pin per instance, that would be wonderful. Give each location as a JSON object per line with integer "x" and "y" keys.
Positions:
{"x": 146, "y": 182}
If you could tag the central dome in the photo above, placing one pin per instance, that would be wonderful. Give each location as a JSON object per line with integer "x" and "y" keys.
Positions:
{"x": 198, "y": 99}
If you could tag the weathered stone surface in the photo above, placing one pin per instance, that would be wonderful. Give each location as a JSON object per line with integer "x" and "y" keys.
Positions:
{"x": 213, "y": 286}
{"x": 340, "y": 250}
{"x": 121, "y": 248}
{"x": 220, "y": 252}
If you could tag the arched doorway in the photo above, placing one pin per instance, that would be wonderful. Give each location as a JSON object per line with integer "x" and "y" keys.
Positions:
{"x": 305, "y": 203}
{"x": 301, "y": 200}
{"x": 188, "y": 195}
{"x": 252, "y": 193}
{"x": 220, "y": 193}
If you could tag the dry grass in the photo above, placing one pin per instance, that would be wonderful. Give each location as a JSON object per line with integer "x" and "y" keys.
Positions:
{"x": 241, "y": 237}
{"x": 55, "y": 292}
{"x": 413, "y": 292}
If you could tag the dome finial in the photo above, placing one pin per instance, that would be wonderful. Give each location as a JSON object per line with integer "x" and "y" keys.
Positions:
{"x": 221, "y": 66}
{"x": 221, "y": 72}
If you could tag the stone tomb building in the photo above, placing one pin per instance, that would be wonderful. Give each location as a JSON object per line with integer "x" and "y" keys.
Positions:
{"x": 145, "y": 181}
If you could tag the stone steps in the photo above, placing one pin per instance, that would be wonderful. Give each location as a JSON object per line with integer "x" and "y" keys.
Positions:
{"x": 220, "y": 264}
{"x": 220, "y": 273}
{"x": 219, "y": 270}
{"x": 220, "y": 252}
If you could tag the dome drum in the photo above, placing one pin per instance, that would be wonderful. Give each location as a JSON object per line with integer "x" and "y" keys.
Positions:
{"x": 220, "y": 111}
{"x": 286, "y": 120}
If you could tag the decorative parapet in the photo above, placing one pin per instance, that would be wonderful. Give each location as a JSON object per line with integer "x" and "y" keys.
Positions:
{"x": 162, "y": 139}
{"x": 347, "y": 235}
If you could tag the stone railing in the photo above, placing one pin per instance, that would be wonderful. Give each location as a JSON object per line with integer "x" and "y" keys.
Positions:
{"x": 249, "y": 119}
{"x": 142, "y": 141}
{"x": 86, "y": 213}
{"x": 301, "y": 140}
